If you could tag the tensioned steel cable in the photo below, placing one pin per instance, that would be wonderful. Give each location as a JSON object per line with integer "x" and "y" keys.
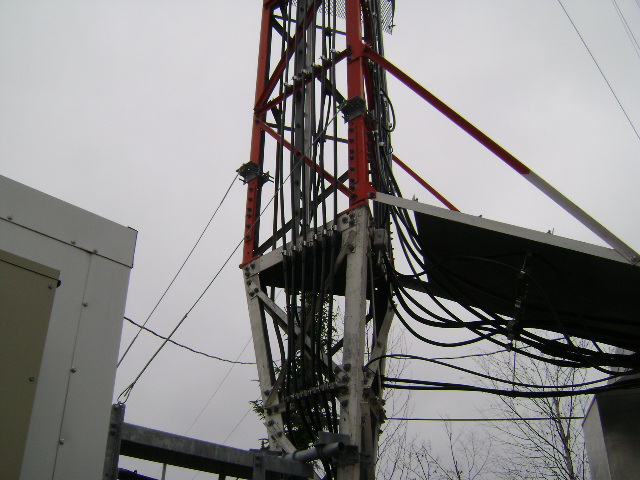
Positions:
{"x": 127, "y": 391}
{"x": 218, "y": 387}
{"x": 627, "y": 28}
{"x": 207, "y": 355}
{"x": 124, "y": 396}
{"x": 178, "y": 272}
{"x": 599, "y": 69}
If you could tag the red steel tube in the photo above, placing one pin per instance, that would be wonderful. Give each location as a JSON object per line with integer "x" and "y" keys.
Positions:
{"x": 252, "y": 209}
{"x": 359, "y": 182}
{"x": 451, "y": 114}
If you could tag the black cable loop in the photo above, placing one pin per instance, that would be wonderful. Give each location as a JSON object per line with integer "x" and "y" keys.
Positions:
{"x": 488, "y": 377}
{"x": 409, "y": 384}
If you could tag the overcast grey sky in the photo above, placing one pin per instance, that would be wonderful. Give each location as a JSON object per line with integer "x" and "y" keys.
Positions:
{"x": 140, "y": 111}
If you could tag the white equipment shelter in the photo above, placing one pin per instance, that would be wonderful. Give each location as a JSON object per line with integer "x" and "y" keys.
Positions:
{"x": 64, "y": 274}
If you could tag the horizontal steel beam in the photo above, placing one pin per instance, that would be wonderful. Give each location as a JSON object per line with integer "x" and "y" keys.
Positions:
{"x": 124, "y": 474}
{"x": 162, "y": 447}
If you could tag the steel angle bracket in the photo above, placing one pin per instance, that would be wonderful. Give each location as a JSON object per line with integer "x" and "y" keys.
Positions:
{"x": 250, "y": 170}
{"x": 273, "y": 419}
{"x": 353, "y": 108}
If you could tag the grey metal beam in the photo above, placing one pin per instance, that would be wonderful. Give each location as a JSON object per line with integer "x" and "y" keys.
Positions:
{"x": 351, "y": 403}
{"x": 162, "y": 447}
{"x": 113, "y": 442}
{"x": 124, "y": 474}
{"x": 264, "y": 359}
{"x": 500, "y": 227}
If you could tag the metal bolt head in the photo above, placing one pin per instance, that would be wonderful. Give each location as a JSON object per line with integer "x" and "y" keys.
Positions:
{"x": 95, "y": 250}
{"x": 9, "y": 217}
{"x": 73, "y": 242}
{"x": 61, "y": 441}
{"x": 85, "y": 304}
{"x": 32, "y": 379}
{"x": 74, "y": 369}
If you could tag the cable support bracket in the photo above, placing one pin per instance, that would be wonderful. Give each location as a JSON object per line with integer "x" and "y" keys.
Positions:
{"x": 353, "y": 108}
{"x": 251, "y": 170}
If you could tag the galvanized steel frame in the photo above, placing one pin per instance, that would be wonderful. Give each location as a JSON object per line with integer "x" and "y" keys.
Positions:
{"x": 361, "y": 412}
{"x": 169, "y": 449}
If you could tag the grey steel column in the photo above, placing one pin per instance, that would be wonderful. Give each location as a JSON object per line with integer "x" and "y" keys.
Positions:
{"x": 264, "y": 361}
{"x": 303, "y": 111}
{"x": 351, "y": 406}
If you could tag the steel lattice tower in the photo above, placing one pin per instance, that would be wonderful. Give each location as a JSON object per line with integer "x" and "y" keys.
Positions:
{"x": 319, "y": 287}
{"x": 317, "y": 293}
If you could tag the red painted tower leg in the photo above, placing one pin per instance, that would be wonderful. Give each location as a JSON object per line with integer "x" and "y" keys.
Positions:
{"x": 359, "y": 182}
{"x": 252, "y": 212}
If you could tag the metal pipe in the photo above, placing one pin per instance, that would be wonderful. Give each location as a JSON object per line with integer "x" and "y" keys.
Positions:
{"x": 317, "y": 452}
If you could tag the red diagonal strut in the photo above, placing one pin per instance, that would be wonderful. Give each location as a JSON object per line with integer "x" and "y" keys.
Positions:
{"x": 419, "y": 179}
{"x": 450, "y": 113}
